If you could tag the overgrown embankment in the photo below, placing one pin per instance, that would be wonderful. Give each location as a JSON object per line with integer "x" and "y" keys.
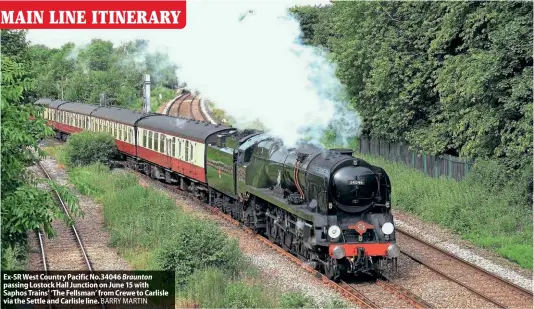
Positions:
{"x": 152, "y": 232}
{"x": 488, "y": 217}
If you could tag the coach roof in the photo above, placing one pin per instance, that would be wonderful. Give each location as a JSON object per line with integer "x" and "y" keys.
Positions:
{"x": 187, "y": 128}
{"x": 78, "y": 108}
{"x": 50, "y": 103}
{"x": 116, "y": 114}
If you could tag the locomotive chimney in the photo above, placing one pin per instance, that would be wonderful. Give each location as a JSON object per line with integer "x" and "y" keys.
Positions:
{"x": 146, "y": 106}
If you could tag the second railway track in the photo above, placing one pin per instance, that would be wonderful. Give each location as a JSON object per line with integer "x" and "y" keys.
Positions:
{"x": 66, "y": 251}
{"x": 490, "y": 287}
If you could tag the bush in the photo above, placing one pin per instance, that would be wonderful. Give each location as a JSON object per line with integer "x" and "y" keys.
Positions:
{"x": 14, "y": 257}
{"x": 90, "y": 147}
{"x": 295, "y": 300}
{"x": 197, "y": 244}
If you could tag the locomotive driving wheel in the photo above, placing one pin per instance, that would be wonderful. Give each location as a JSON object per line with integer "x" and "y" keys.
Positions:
{"x": 331, "y": 269}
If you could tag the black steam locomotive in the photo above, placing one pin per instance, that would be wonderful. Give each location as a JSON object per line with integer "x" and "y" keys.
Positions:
{"x": 324, "y": 206}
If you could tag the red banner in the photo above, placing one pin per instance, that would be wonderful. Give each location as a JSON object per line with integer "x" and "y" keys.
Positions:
{"x": 92, "y": 14}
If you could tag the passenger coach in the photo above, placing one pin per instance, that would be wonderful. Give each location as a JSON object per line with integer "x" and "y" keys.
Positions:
{"x": 164, "y": 147}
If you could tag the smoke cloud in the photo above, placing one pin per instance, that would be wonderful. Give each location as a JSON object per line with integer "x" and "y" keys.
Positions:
{"x": 247, "y": 57}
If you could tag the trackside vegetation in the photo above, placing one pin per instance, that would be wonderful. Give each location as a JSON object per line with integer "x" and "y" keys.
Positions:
{"x": 20, "y": 138}
{"x": 152, "y": 232}
{"x": 489, "y": 218}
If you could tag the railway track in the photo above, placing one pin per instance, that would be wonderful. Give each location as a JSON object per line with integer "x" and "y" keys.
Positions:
{"x": 66, "y": 252}
{"x": 494, "y": 289}
{"x": 187, "y": 106}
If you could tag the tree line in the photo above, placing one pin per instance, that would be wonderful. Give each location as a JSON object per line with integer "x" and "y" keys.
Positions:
{"x": 83, "y": 73}
{"x": 442, "y": 77}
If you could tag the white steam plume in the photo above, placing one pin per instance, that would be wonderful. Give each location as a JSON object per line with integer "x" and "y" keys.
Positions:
{"x": 246, "y": 56}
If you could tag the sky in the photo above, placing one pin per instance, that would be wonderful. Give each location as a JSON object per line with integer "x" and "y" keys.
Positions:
{"x": 254, "y": 68}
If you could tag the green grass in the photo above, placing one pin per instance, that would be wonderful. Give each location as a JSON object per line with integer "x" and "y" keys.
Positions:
{"x": 151, "y": 232}
{"x": 487, "y": 218}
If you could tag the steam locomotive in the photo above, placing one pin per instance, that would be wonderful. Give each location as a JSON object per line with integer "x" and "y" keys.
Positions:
{"x": 325, "y": 206}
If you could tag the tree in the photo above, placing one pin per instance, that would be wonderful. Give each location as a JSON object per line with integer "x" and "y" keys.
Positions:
{"x": 25, "y": 207}
{"x": 443, "y": 77}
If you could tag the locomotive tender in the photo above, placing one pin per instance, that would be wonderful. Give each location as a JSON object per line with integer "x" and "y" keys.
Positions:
{"x": 324, "y": 206}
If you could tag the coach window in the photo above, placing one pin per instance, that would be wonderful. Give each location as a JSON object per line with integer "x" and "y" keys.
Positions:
{"x": 162, "y": 143}
{"x": 192, "y": 152}
{"x": 156, "y": 141}
{"x": 179, "y": 147}
{"x": 173, "y": 147}
{"x": 145, "y": 138}
{"x": 150, "y": 135}
{"x": 186, "y": 150}
{"x": 131, "y": 135}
